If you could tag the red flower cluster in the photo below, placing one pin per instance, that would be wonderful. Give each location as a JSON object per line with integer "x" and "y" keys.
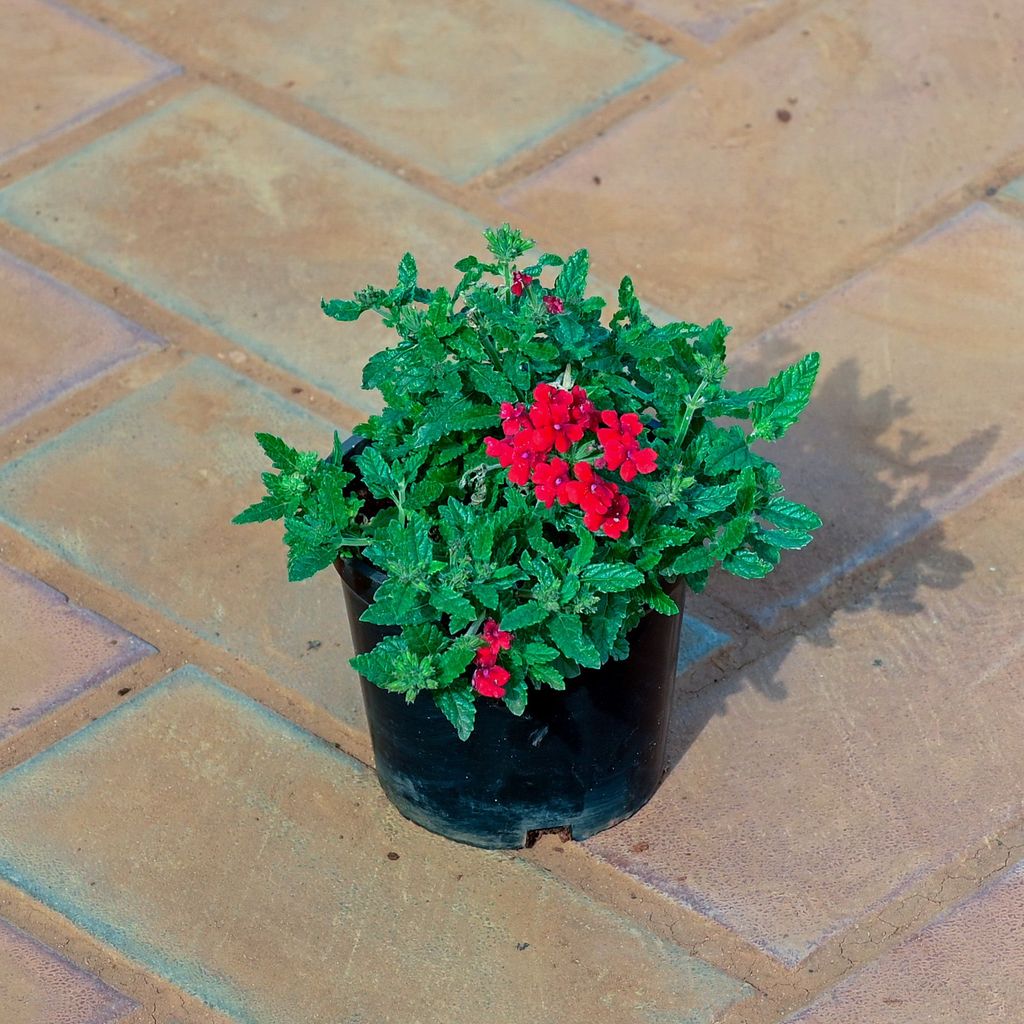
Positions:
{"x": 556, "y": 421}
{"x": 490, "y": 679}
{"x": 554, "y": 304}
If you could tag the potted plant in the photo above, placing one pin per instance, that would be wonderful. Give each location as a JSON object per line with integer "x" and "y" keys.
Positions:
{"x": 516, "y": 530}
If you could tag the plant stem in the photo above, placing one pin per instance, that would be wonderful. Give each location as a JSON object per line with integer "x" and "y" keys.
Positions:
{"x": 693, "y": 403}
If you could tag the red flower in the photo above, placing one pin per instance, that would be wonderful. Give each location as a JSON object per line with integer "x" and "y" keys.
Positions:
{"x": 554, "y": 304}
{"x": 551, "y": 417}
{"x": 583, "y": 410}
{"x": 550, "y": 481}
{"x": 525, "y": 456}
{"x": 500, "y": 450}
{"x": 591, "y": 492}
{"x": 513, "y": 418}
{"x": 498, "y": 638}
{"x": 616, "y": 521}
{"x": 491, "y": 681}
{"x": 622, "y": 451}
{"x": 520, "y": 282}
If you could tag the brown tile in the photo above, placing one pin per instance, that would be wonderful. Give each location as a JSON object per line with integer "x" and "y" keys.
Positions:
{"x": 53, "y": 339}
{"x": 52, "y": 650}
{"x": 718, "y": 207}
{"x": 61, "y": 68}
{"x": 818, "y": 783}
{"x": 916, "y": 407}
{"x": 389, "y": 69}
{"x": 965, "y": 968}
{"x": 183, "y": 461}
{"x": 250, "y": 865}
{"x": 222, "y": 213}
{"x": 38, "y": 986}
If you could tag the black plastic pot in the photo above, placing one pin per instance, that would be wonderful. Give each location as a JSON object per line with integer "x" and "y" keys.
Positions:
{"x": 578, "y": 760}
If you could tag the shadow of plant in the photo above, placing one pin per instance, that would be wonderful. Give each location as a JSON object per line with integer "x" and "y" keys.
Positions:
{"x": 881, "y": 494}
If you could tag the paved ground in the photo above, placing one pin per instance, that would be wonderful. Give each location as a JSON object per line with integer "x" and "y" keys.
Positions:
{"x": 185, "y": 805}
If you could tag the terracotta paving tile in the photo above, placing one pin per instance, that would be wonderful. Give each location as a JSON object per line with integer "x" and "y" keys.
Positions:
{"x": 52, "y": 650}
{"x": 773, "y": 171}
{"x": 708, "y": 20}
{"x": 965, "y": 968}
{"x": 87, "y": 70}
{"x": 915, "y": 408}
{"x": 38, "y": 986}
{"x": 222, "y": 213}
{"x": 263, "y": 884}
{"x": 53, "y": 339}
{"x": 822, "y": 780}
{"x": 186, "y": 444}
{"x": 523, "y": 70}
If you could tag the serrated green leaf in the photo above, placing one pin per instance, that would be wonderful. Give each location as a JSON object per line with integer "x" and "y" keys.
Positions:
{"x": 539, "y": 654}
{"x": 747, "y": 565}
{"x": 567, "y": 633}
{"x": 787, "y": 395}
{"x": 529, "y": 614}
{"x": 458, "y": 705}
{"x": 707, "y": 500}
{"x": 342, "y": 309}
{"x": 516, "y": 695}
{"x": 731, "y": 536}
{"x": 692, "y": 561}
{"x": 407, "y": 272}
{"x": 267, "y": 508}
{"x": 790, "y": 515}
{"x": 459, "y": 610}
{"x": 725, "y": 451}
{"x": 283, "y": 456}
{"x": 548, "y": 675}
{"x": 609, "y": 578}
{"x": 453, "y": 662}
{"x": 375, "y": 666}
{"x": 571, "y": 283}
{"x": 659, "y": 600}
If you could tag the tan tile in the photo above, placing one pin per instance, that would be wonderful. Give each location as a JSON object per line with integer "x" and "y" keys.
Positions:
{"x": 220, "y": 212}
{"x": 454, "y": 87}
{"x": 708, "y": 20}
{"x": 142, "y": 494}
{"x": 38, "y": 986}
{"x": 719, "y": 208}
{"x": 820, "y": 782}
{"x": 52, "y": 339}
{"x": 916, "y": 408}
{"x": 51, "y": 650}
{"x": 966, "y": 968}
{"x": 264, "y": 873}
{"x": 60, "y": 68}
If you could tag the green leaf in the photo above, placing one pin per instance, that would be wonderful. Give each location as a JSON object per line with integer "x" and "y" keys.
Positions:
{"x": 268, "y": 507}
{"x": 546, "y": 674}
{"x": 375, "y": 666}
{"x": 694, "y": 560}
{"x": 376, "y": 473}
{"x": 790, "y": 515}
{"x": 567, "y": 632}
{"x": 516, "y": 695}
{"x": 455, "y": 606}
{"x": 747, "y": 565}
{"x": 453, "y": 662}
{"x": 659, "y": 600}
{"x": 506, "y": 243}
{"x": 732, "y": 536}
{"x": 571, "y": 283}
{"x": 283, "y": 456}
{"x": 407, "y": 272}
{"x": 342, "y": 309}
{"x": 529, "y": 614}
{"x": 787, "y": 395}
{"x": 539, "y": 654}
{"x": 609, "y": 578}
{"x": 706, "y": 501}
{"x": 724, "y": 451}
{"x": 458, "y": 705}
{"x": 584, "y": 551}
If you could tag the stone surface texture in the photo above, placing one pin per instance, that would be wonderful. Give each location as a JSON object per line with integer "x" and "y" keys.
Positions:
{"x": 51, "y": 650}
{"x": 181, "y": 183}
{"x": 88, "y": 70}
{"x": 965, "y": 968}
{"x": 38, "y": 986}
{"x": 816, "y": 784}
{"x": 53, "y": 339}
{"x": 242, "y": 222}
{"x": 765, "y": 177}
{"x": 265, "y": 882}
{"x": 187, "y": 444}
{"x": 522, "y": 71}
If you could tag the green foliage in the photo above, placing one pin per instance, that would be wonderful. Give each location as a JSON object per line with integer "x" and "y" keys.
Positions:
{"x": 459, "y": 545}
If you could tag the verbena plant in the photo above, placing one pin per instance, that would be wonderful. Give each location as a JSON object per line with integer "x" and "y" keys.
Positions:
{"x": 537, "y": 478}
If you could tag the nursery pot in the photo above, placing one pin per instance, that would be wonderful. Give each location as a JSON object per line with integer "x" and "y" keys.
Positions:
{"x": 577, "y": 761}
